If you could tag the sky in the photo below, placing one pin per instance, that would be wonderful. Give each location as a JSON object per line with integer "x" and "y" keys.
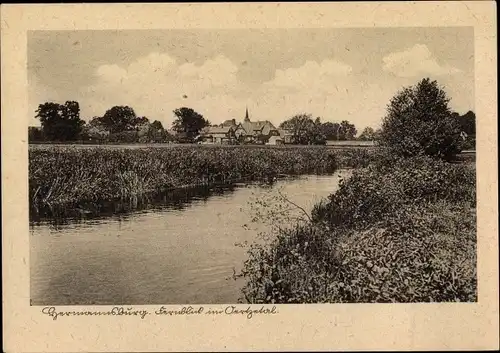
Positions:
{"x": 336, "y": 74}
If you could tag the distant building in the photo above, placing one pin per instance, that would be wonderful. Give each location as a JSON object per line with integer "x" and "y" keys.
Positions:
{"x": 229, "y": 123}
{"x": 275, "y": 140}
{"x": 217, "y": 135}
{"x": 353, "y": 143}
{"x": 257, "y": 132}
{"x": 286, "y": 136}
{"x": 251, "y": 132}
{"x": 171, "y": 132}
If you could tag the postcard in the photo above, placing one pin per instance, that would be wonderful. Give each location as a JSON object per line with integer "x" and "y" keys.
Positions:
{"x": 249, "y": 176}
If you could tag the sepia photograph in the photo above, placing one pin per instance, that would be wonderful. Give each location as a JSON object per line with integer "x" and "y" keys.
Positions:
{"x": 252, "y": 166}
{"x": 249, "y": 176}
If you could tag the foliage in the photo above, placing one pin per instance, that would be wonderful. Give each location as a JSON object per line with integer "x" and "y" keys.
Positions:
{"x": 123, "y": 137}
{"x": 331, "y": 131}
{"x": 467, "y": 122}
{"x": 468, "y": 126}
{"x": 65, "y": 175}
{"x": 307, "y": 131}
{"x": 189, "y": 123}
{"x": 35, "y": 134}
{"x": 60, "y": 122}
{"x": 119, "y": 119}
{"x": 419, "y": 122}
{"x": 347, "y": 131}
{"x": 396, "y": 231}
{"x": 361, "y": 201}
{"x": 368, "y": 134}
{"x": 157, "y": 125}
{"x": 301, "y": 126}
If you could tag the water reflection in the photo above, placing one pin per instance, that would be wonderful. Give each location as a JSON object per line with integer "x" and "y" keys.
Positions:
{"x": 170, "y": 199}
{"x": 169, "y": 248}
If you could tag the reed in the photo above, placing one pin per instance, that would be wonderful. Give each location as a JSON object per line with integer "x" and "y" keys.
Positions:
{"x": 71, "y": 174}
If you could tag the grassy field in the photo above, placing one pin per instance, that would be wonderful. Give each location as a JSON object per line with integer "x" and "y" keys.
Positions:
{"x": 60, "y": 175}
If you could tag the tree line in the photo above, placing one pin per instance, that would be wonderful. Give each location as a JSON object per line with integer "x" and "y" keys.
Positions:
{"x": 420, "y": 112}
{"x": 62, "y": 123}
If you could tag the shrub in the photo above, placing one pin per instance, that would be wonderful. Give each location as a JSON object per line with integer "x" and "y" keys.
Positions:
{"x": 400, "y": 230}
{"x": 419, "y": 122}
{"x": 427, "y": 254}
{"x": 376, "y": 193}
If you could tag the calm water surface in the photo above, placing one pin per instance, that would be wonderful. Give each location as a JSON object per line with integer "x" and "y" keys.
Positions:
{"x": 161, "y": 254}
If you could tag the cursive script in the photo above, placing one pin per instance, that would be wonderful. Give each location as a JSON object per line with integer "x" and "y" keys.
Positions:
{"x": 115, "y": 311}
{"x": 247, "y": 312}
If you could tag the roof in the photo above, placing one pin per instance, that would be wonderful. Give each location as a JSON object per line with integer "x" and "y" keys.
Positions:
{"x": 210, "y": 130}
{"x": 229, "y": 122}
{"x": 253, "y": 127}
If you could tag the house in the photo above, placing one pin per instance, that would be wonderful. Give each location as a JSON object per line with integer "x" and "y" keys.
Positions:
{"x": 217, "y": 135}
{"x": 229, "y": 123}
{"x": 255, "y": 131}
{"x": 286, "y": 136}
{"x": 275, "y": 140}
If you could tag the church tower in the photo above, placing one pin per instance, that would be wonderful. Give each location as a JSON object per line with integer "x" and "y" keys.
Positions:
{"x": 246, "y": 115}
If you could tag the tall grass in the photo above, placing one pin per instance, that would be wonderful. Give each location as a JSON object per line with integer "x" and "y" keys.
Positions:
{"x": 62, "y": 175}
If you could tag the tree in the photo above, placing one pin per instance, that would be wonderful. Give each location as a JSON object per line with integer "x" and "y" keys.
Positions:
{"x": 330, "y": 130}
{"x": 419, "y": 121}
{"x": 35, "y": 134}
{"x": 300, "y": 125}
{"x": 157, "y": 125}
{"x": 467, "y": 122}
{"x": 468, "y": 126}
{"x": 120, "y": 119}
{"x": 188, "y": 123}
{"x": 315, "y": 133}
{"x": 95, "y": 131}
{"x": 368, "y": 134}
{"x": 60, "y": 122}
{"x": 347, "y": 131}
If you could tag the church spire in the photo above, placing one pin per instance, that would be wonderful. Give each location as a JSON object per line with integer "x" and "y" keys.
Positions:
{"x": 246, "y": 115}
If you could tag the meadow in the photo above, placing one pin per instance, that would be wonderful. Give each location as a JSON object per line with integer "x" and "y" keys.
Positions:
{"x": 65, "y": 175}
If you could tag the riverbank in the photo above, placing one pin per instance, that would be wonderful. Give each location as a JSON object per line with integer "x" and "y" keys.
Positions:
{"x": 396, "y": 231}
{"x": 60, "y": 176}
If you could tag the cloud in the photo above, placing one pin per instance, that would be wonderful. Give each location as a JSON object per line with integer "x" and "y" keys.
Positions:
{"x": 415, "y": 61}
{"x": 155, "y": 84}
{"x": 327, "y": 89}
{"x": 311, "y": 74}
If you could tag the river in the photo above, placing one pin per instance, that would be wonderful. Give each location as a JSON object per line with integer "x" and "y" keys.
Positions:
{"x": 160, "y": 252}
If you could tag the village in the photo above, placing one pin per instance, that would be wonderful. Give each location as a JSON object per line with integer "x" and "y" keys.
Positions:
{"x": 247, "y": 132}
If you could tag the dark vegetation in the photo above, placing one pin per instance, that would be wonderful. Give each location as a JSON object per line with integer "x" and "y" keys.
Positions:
{"x": 400, "y": 229}
{"x": 65, "y": 175}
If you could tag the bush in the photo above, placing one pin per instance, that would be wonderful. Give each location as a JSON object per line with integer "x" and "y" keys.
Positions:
{"x": 429, "y": 256}
{"x": 378, "y": 192}
{"x": 419, "y": 122}
{"x": 400, "y": 230}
